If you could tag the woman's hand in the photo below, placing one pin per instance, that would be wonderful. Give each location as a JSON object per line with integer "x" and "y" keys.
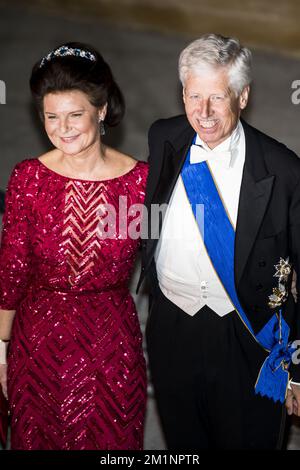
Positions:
{"x": 3, "y": 379}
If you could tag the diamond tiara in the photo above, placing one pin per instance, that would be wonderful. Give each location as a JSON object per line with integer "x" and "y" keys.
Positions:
{"x": 67, "y": 51}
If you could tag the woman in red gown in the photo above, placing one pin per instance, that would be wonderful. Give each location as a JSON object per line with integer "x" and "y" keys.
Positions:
{"x": 76, "y": 371}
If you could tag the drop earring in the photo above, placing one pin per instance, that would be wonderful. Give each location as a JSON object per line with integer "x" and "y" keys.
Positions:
{"x": 102, "y": 128}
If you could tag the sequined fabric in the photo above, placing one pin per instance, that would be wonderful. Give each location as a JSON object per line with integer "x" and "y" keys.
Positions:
{"x": 76, "y": 372}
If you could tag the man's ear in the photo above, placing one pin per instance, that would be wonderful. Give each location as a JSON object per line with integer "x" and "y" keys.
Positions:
{"x": 244, "y": 96}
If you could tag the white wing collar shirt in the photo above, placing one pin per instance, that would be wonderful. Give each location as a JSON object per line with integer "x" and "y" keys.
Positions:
{"x": 185, "y": 273}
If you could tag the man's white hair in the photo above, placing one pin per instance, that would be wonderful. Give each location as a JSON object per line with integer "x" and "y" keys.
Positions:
{"x": 212, "y": 51}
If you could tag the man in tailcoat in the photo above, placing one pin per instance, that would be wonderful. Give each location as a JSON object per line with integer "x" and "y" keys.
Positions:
{"x": 223, "y": 319}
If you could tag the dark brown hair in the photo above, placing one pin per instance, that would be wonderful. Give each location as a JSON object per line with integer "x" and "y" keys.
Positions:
{"x": 69, "y": 72}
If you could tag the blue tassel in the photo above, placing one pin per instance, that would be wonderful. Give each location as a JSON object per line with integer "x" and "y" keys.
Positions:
{"x": 273, "y": 377}
{"x": 272, "y": 383}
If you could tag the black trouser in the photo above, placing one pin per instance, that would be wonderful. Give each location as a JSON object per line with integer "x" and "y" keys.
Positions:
{"x": 204, "y": 369}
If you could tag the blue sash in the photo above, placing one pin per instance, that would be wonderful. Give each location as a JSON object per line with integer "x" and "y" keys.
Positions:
{"x": 219, "y": 238}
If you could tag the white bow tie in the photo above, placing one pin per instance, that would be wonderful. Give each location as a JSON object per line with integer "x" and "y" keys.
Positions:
{"x": 199, "y": 154}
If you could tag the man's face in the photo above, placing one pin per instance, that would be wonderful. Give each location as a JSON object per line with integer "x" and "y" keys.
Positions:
{"x": 211, "y": 107}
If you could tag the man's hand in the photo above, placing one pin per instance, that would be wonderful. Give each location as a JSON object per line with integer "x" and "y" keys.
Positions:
{"x": 292, "y": 402}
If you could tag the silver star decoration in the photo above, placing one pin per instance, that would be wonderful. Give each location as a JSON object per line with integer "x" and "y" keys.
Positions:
{"x": 283, "y": 269}
{"x": 278, "y": 297}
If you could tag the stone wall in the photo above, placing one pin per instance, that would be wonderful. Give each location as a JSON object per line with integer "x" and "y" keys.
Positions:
{"x": 264, "y": 24}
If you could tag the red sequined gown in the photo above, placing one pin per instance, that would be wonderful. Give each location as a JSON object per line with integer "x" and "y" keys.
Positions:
{"x": 76, "y": 371}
